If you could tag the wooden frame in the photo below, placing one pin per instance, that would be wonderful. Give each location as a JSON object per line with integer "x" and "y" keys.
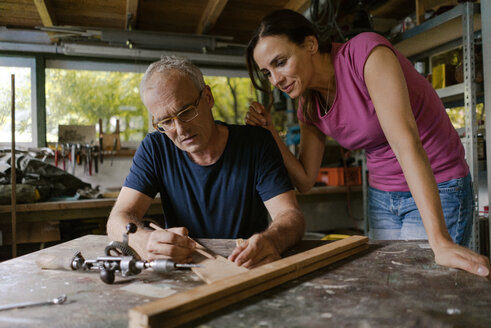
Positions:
{"x": 192, "y": 304}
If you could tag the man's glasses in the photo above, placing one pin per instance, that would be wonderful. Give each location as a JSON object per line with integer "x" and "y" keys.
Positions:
{"x": 185, "y": 115}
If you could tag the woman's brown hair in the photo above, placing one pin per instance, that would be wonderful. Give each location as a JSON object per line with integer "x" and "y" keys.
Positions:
{"x": 295, "y": 27}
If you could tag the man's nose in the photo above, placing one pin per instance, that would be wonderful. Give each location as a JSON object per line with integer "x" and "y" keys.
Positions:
{"x": 179, "y": 126}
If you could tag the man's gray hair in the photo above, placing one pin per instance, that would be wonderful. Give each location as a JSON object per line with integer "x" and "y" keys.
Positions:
{"x": 181, "y": 64}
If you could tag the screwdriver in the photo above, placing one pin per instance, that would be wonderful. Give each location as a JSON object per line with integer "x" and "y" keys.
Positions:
{"x": 58, "y": 300}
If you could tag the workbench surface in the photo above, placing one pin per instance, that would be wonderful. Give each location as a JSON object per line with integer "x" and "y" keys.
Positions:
{"x": 393, "y": 284}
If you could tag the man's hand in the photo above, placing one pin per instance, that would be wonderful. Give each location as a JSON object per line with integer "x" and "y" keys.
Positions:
{"x": 455, "y": 256}
{"x": 255, "y": 251}
{"x": 172, "y": 243}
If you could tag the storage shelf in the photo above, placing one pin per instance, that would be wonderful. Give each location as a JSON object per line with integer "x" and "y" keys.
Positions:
{"x": 456, "y": 92}
{"x": 435, "y": 32}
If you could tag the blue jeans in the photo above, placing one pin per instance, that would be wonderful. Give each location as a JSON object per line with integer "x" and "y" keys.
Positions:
{"x": 394, "y": 215}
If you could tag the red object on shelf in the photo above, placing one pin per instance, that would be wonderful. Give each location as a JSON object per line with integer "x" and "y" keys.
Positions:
{"x": 338, "y": 176}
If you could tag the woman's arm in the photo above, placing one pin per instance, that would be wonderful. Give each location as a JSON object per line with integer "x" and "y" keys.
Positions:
{"x": 302, "y": 171}
{"x": 390, "y": 97}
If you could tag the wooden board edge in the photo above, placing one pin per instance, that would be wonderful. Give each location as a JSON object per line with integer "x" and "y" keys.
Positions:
{"x": 218, "y": 304}
{"x": 192, "y": 300}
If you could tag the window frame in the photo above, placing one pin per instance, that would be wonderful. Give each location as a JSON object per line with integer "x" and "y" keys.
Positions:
{"x": 29, "y": 62}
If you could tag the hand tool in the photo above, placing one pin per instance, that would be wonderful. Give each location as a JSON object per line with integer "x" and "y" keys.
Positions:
{"x": 73, "y": 159}
{"x": 78, "y": 154}
{"x": 101, "y": 136}
{"x": 89, "y": 158}
{"x": 56, "y": 155}
{"x": 126, "y": 261}
{"x": 59, "y": 300}
{"x": 127, "y": 265}
{"x": 63, "y": 156}
{"x": 96, "y": 159}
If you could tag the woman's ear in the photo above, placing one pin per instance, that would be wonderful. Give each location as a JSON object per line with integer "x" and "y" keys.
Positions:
{"x": 311, "y": 44}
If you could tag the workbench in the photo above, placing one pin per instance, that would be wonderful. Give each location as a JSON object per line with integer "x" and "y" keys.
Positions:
{"x": 67, "y": 210}
{"x": 393, "y": 284}
{"x": 100, "y": 208}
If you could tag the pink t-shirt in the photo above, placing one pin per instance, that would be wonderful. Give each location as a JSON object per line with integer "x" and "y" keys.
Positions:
{"x": 352, "y": 120}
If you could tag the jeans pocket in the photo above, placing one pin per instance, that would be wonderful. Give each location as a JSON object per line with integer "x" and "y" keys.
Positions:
{"x": 454, "y": 185}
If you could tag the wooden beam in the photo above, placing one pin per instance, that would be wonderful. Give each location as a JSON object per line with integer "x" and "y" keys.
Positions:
{"x": 297, "y": 5}
{"x": 192, "y": 304}
{"x": 13, "y": 176}
{"x": 210, "y": 15}
{"x": 45, "y": 12}
{"x": 131, "y": 13}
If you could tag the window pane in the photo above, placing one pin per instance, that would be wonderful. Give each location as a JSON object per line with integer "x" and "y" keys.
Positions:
{"x": 23, "y": 121}
{"x": 232, "y": 97}
{"x": 76, "y": 97}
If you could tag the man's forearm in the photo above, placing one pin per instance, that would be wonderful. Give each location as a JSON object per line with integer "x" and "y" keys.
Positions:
{"x": 116, "y": 227}
{"x": 286, "y": 229}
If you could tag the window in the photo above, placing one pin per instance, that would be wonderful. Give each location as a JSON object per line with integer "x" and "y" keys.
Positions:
{"x": 77, "y": 96}
{"x": 81, "y": 97}
{"x": 25, "y": 117}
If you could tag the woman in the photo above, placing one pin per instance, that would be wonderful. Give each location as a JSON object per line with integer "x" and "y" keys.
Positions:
{"x": 366, "y": 95}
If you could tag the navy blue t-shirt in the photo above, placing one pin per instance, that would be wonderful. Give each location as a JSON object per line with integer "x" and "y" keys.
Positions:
{"x": 222, "y": 200}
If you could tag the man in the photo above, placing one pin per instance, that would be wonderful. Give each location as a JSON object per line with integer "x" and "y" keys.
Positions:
{"x": 215, "y": 180}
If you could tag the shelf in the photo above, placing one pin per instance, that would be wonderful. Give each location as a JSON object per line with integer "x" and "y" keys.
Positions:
{"x": 435, "y": 32}
{"x": 456, "y": 92}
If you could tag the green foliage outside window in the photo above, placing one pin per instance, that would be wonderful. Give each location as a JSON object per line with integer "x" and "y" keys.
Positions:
{"x": 77, "y": 97}
{"x": 82, "y": 97}
{"x": 232, "y": 98}
{"x": 23, "y": 119}
{"x": 457, "y": 115}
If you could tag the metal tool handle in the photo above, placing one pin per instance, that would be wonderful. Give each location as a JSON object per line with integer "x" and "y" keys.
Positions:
{"x": 58, "y": 300}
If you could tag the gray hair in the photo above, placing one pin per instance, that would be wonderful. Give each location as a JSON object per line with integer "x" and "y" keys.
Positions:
{"x": 180, "y": 64}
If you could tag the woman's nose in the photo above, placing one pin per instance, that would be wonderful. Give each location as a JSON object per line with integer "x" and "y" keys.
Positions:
{"x": 276, "y": 78}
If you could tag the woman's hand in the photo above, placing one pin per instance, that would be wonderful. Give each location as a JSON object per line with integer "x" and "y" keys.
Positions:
{"x": 259, "y": 116}
{"x": 455, "y": 256}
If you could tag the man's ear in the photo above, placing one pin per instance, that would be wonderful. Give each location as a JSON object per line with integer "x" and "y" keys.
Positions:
{"x": 210, "y": 100}
{"x": 311, "y": 44}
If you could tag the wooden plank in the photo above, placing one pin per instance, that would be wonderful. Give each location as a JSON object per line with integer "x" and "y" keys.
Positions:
{"x": 131, "y": 14}
{"x": 210, "y": 15}
{"x": 13, "y": 177}
{"x": 214, "y": 267}
{"x": 184, "y": 307}
{"x": 65, "y": 205}
{"x": 45, "y": 12}
{"x": 297, "y": 5}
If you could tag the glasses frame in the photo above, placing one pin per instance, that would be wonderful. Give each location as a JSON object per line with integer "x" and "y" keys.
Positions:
{"x": 176, "y": 117}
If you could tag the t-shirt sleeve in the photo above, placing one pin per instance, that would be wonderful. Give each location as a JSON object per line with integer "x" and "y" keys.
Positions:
{"x": 142, "y": 175}
{"x": 272, "y": 178}
{"x": 359, "y": 48}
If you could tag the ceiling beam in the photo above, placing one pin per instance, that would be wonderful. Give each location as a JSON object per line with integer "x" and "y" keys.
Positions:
{"x": 210, "y": 15}
{"x": 297, "y": 5}
{"x": 131, "y": 11}
{"x": 45, "y": 12}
